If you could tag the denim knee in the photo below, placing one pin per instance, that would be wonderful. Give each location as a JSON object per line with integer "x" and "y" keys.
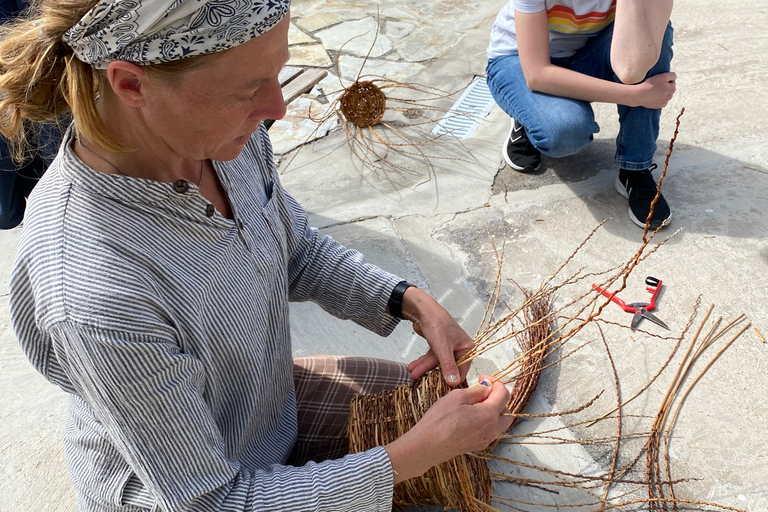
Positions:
{"x": 557, "y": 140}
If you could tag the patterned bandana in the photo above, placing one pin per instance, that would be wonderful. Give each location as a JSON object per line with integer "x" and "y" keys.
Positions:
{"x": 155, "y": 31}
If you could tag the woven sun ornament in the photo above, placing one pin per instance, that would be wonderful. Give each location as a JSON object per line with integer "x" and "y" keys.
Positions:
{"x": 363, "y": 104}
{"x": 391, "y": 133}
{"x": 388, "y": 124}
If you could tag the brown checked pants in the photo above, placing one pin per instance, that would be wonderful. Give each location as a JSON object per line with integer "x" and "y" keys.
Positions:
{"x": 325, "y": 386}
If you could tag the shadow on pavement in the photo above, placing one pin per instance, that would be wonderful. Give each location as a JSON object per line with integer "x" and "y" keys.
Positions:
{"x": 708, "y": 192}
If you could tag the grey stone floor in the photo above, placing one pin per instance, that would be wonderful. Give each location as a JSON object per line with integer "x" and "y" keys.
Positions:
{"x": 432, "y": 226}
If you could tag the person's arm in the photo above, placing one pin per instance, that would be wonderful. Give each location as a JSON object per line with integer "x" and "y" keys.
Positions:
{"x": 318, "y": 268}
{"x": 148, "y": 396}
{"x": 345, "y": 285}
{"x": 335, "y": 277}
{"x": 543, "y": 76}
{"x": 638, "y": 33}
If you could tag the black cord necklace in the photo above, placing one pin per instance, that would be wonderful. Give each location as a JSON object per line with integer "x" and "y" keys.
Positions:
{"x": 199, "y": 181}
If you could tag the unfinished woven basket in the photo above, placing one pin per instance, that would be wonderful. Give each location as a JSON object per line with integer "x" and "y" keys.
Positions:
{"x": 463, "y": 483}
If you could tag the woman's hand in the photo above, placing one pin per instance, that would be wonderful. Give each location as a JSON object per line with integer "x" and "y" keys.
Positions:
{"x": 447, "y": 340}
{"x": 463, "y": 421}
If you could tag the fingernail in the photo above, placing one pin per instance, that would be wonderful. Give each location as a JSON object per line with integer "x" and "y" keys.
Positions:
{"x": 453, "y": 378}
{"x": 485, "y": 382}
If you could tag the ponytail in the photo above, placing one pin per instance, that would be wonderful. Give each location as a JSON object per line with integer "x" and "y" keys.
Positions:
{"x": 41, "y": 79}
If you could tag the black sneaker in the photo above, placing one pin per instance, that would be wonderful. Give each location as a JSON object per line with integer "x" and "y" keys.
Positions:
{"x": 518, "y": 151}
{"x": 640, "y": 188}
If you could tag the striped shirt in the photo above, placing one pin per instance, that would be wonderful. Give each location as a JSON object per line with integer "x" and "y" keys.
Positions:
{"x": 169, "y": 330}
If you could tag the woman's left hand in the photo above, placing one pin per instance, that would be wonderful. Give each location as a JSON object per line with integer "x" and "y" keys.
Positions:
{"x": 447, "y": 340}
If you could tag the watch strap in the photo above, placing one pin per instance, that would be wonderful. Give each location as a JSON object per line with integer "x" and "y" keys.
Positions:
{"x": 395, "y": 304}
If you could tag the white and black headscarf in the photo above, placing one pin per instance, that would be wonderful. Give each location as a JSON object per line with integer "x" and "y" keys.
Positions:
{"x": 156, "y": 31}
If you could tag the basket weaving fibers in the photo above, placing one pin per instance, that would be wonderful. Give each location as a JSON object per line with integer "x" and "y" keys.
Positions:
{"x": 377, "y": 420}
{"x": 363, "y": 104}
{"x": 465, "y": 482}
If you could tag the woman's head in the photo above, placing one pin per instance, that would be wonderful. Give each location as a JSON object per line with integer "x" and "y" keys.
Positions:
{"x": 207, "y": 111}
{"x": 56, "y": 58}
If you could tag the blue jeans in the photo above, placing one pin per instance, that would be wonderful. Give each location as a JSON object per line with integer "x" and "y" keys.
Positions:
{"x": 559, "y": 126}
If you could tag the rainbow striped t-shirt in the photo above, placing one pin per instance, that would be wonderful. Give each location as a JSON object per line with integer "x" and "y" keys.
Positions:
{"x": 571, "y": 24}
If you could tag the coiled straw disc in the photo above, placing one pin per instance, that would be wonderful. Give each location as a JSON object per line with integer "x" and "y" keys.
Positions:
{"x": 363, "y": 104}
{"x": 462, "y": 483}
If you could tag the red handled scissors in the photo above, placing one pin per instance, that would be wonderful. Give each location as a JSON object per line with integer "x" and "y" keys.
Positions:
{"x": 640, "y": 309}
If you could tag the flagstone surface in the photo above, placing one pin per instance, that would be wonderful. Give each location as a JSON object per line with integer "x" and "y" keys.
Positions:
{"x": 432, "y": 222}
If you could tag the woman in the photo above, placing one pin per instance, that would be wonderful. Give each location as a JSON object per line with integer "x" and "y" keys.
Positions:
{"x": 158, "y": 256}
{"x": 548, "y": 59}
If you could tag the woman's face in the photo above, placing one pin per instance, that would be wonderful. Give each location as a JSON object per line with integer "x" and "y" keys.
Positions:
{"x": 214, "y": 109}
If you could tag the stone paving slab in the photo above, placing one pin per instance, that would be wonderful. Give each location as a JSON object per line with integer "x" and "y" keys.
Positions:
{"x": 435, "y": 233}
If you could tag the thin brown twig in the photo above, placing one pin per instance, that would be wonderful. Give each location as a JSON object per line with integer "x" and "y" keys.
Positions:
{"x": 663, "y": 174}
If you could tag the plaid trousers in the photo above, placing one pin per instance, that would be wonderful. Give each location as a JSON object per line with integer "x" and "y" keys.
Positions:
{"x": 325, "y": 386}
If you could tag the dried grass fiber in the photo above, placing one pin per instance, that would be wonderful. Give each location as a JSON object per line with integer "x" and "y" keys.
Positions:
{"x": 376, "y": 420}
{"x": 465, "y": 482}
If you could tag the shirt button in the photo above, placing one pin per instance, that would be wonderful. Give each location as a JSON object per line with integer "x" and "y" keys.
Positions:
{"x": 181, "y": 186}
{"x": 209, "y": 210}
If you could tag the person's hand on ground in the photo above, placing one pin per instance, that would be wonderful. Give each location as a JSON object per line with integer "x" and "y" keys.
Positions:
{"x": 463, "y": 421}
{"x": 657, "y": 90}
{"x": 447, "y": 340}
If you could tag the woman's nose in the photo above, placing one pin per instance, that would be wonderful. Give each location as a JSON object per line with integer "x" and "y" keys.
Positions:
{"x": 274, "y": 104}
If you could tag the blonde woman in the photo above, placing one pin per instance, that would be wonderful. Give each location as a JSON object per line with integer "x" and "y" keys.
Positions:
{"x": 158, "y": 257}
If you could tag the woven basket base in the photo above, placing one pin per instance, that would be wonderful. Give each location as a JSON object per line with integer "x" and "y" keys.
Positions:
{"x": 363, "y": 104}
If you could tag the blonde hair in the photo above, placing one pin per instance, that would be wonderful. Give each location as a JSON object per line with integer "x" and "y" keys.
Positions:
{"x": 41, "y": 79}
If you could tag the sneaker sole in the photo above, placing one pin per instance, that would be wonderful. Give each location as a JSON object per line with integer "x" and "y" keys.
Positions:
{"x": 640, "y": 224}
{"x": 509, "y": 162}
{"x": 620, "y": 188}
{"x": 623, "y": 191}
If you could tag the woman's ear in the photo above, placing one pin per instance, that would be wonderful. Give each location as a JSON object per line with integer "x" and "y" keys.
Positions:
{"x": 125, "y": 79}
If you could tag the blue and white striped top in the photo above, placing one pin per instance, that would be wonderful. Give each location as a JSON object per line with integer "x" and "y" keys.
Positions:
{"x": 169, "y": 330}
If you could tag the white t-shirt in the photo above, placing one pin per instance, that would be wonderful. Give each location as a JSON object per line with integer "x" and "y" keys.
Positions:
{"x": 571, "y": 24}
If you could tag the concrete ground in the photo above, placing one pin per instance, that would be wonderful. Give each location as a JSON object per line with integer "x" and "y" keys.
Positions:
{"x": 432, "y": 227}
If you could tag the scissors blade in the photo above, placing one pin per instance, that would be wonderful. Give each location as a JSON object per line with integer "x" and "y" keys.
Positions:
{"x": 650, "y": 316}
{"x": 636, "y": 318}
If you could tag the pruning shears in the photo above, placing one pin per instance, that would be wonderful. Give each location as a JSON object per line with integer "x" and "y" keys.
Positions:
{"x": 640, "y": 309}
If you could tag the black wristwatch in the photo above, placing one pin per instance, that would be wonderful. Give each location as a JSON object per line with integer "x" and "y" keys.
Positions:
{"x": 395, "y": 304}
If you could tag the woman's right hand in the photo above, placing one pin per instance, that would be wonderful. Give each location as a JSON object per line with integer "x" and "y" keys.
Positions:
{"x": 464, "y": 420}
{"x": 656, "y": 91}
